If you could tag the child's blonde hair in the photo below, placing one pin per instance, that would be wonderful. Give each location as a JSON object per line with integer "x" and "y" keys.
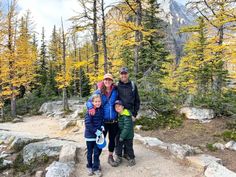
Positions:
{"x": 95, "y": 96}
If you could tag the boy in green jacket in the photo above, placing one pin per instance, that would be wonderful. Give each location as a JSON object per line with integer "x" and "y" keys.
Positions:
{"x": 126, "y": 133}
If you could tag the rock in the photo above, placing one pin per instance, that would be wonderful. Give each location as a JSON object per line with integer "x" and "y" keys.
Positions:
{"x": 181, "y": 151}
{"x": 59, "y": 169}
{"x": 17, "y": 140}
{"x": 49, "y": 148}
{"x": 55, "y": 108}
{"x": 138, "y": 127}
{"x": 231, "y": 145}
{"x": 65, "y": 123}
{"x": 203, "y": 160}
{"x": 39, "y": 174}
{"x": 5, "y": 164}
{"x": 150, "y": 141}
{"x": 216, "y": 170}
{"x": 17, "y": 120}
{"x": 68, "y": 153}
{"x": 197, "y": 113}
{"x": 219, "y": 146}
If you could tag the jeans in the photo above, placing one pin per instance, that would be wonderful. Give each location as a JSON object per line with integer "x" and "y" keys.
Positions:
{"x": 93, "y": 153}
{"x": 128, "y": 143}
{"x": 112, "y": 129}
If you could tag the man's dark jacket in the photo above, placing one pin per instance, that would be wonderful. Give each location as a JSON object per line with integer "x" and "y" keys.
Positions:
{"x": 129, "y": 96}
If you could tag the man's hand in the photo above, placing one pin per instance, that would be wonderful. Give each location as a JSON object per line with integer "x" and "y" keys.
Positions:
{"x": 133, "y": 118}
{"x": 92, "y": 112}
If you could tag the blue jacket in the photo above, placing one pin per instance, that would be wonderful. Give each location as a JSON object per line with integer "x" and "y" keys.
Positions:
{"x": 108, "y": 104}
{"x": 92, "y": 123}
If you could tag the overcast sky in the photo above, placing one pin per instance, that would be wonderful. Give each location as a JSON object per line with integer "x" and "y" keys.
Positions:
{"x": 49, "y": 12}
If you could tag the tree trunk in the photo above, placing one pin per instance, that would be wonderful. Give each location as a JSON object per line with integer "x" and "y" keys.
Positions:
{"x": 95, "y": 37}
{"x": 80, "y": 75}
{"x": 138, "y": 38}
{"x": 65, "y": 99}
{"x": 104, "y": 39}
{"x": 13, "y": 104}
{"x": 75, "y": 59}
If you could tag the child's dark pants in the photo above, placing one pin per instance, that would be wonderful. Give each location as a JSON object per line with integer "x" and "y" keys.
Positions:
{"x": 93, "y": 153}
{"x": 129, "y": 148}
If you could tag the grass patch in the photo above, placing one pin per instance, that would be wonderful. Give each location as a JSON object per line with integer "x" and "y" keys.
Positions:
{"x": 229, "y": 135}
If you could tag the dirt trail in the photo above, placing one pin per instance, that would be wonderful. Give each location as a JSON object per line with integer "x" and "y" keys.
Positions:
{"x": 149, "y": 163}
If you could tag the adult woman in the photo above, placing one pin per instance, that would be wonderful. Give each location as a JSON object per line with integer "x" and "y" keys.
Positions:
{"x": 109, "y": 94}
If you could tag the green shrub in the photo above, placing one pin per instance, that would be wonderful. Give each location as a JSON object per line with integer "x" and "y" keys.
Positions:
{"x": 210, "y": 147}
{"x": 229, "y": 135}
{"x": 159, "y": 122}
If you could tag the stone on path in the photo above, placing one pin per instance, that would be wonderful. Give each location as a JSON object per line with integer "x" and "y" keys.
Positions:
{"x": 231, "y": 145}
{"x": 216, "y": 170}
{"x": 59, "y": 169}
{"x": 68, "y": 153}
{"x": 203, "y": 160}
{"x": 50, "y": 148}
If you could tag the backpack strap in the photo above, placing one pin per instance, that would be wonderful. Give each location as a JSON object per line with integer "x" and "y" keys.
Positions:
{"x": 133, "y": 86}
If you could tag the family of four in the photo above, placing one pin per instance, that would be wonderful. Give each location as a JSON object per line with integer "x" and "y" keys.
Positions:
{"x": 111, "y": 110}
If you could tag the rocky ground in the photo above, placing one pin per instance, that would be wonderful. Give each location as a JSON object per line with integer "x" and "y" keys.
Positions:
{"x": 198, "y": 134}
{"x": 149, "y": 161}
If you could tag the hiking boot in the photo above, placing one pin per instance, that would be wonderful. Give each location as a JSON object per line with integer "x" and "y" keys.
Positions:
{"x": 112, "y": 162}
{"x": 126, "y": 156}
{"x": 98, "y": 173}
{"x": 90, "y": 172}
{"x": 131, "y": 162}
{"x": 118, "y": 160}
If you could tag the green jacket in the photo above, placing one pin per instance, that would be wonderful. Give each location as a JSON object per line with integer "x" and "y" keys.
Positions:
{"x": 126, "y": 125}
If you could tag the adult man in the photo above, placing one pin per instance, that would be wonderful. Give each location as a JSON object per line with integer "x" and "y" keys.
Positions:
{"x": 128, "y": 92}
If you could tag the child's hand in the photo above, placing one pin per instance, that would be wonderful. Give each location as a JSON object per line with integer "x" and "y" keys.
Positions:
{"x": 98, "y": 132}
{"x": 91, "y": 112}
{"x": 103, "y": 128}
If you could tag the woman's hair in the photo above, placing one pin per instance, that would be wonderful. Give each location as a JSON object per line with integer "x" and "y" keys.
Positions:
{"x": 103, "y": 89}
{"x": 95, "y": 96}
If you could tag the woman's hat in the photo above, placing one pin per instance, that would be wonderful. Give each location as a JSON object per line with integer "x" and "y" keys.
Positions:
{"x": 108, "y": 76}
{"x": 101, "y": 141}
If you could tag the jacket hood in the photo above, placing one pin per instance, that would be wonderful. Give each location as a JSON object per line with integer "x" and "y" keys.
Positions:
{"x": 125, "y": 113}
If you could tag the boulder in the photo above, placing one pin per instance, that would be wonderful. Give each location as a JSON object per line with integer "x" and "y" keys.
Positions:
{"x": 181, "y": 151}
{"x": 60, "y": 169}
{"x": 55, "y": 108}
{"x": 197, "y": 113}
{"x": 17, "y": 140}
{"x": 65, "y": 123}
{"x": 231, "y": 145}
{"x": 203, "y": 160}
{"x": 217, "y": 170}
{"x": 68, "y": 153}
{"x": 49, "y": 148}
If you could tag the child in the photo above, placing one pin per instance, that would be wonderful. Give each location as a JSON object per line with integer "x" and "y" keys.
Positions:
{"x": 94, "y": 128}
{"x": 126, "y": 133}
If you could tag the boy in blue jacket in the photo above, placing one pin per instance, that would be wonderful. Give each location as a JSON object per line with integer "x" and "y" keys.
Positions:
{"x": 93, "y": 128}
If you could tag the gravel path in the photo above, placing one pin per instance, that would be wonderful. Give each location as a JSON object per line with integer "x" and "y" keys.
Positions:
{"x": 149, "y": 163}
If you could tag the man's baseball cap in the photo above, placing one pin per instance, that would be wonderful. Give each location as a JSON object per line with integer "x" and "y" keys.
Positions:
{"x": 108, "y": 76}
{"x": 123, "y": 70}
{"x": 119, "y": 102}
